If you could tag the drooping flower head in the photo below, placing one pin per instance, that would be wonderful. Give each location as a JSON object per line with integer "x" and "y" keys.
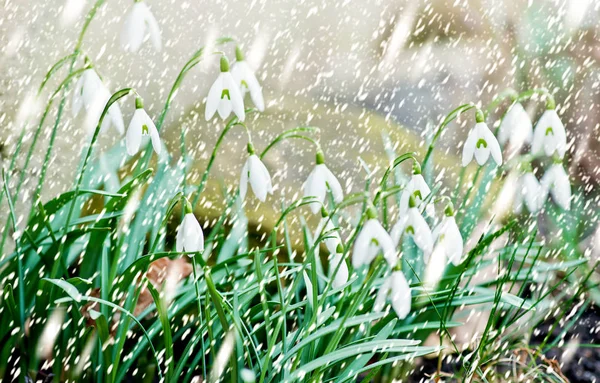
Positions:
{"x": 333, "y": 242}
{"x": 418, "y": 188}
{"x": 529, "y": 191}
{"x": 516, "y": 127}
{"x": 224, "y": 95}
{"x": 481, "y": 142}
{"x": 397, "y": 289}
{"x": 137, "y": 22}
{"x": 255, "y": 173}
{"x": 319, "y": 181}
{"x": 372, "y": 239}
{"x": 549, "y": 135}
{"x": 414, "y": 225}
{"x": 556, "y": 180}
{"x": 91, "y": 94}
{"x": 245, "y": 78}
{"x": 141, "y": 125}
{"x": 190, "y": 237}
{"x": 448, "y": 238}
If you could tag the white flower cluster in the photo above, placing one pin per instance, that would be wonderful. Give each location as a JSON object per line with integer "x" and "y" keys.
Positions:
{"x": 548, "y": 137}
{"x": 439, "y": 246}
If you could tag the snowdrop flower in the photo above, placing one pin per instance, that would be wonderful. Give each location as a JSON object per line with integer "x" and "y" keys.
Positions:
{"x": 371, "y": 239}
{"x": 255, "y": 173}
{"x": 530, "y": 191}
{"x": 141, "y": 125}
{"x": 557, "y": 182}
{"x": 224, "y": 95}
{"x": 317, "y": 183}
{"x": 481, "y": 142}
{"x": 333, "y": 242}
{"x": 245, "y": 78}
{"x": 549, "y": 135}
{"x": 418, "y": 188}
{"x": 413, "y": 224}
{"x": 397, "y": 289}
{"x": 134, "y": 29}
{"x": 448, "y": 238}
{"x": 71, "y": 11}
{"x": 190, "y": 237}
{"x": 91, "y": 94}
{"x": 515, "y": 127}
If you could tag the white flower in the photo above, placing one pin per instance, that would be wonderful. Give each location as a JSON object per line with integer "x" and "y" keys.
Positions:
{"x": 413, "y": 224}
{"x": 448, "y": 239}
{"x": 71, "y": 11}
{"x": 515, "y": 127}
{"x": 530, "y": 191}
{"x": 224, "y": 96}
{"x": 397, "y": 289}
{"x": 557, "y": 182}
{"x": 550, "y": 135}
{"x": 317, "y": 183}
{"x": 190, "y": 237}
{"x": 371, "y": 239}
{"x": 141, "y": 125}
{"x": 481, "y": 142}
{"x": 341, "y": 277}
{"x": 327, "y": 229}
{"x": 92, "y": 95}
{"x": 333, "y": 242}
{"x": 418, "y": 188}
{"x": 134, "y": 29}
{"x": 255, "y": 172}
{"x": 245, "y": 78}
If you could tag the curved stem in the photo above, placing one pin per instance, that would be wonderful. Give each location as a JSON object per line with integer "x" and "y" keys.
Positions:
{"x": 449, "y": 118}
{"x": 383, "y": 183}
{"x": 213, "y": 156}
{"x": 294, "y": 133}
{"x": 114, "y": 98}
{"x": 191, "y": 63}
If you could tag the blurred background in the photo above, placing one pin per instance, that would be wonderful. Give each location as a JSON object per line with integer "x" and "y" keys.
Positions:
{"x": 360, "y": 71}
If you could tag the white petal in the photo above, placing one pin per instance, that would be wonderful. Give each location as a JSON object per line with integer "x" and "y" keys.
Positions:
{"x": 214, "y": 98}
{"x": 382, "y": 295}
{"x": 360, "y": 255}
{"x": 134, "y": 28}
{"x": 133, "y": 139}
{"x": 401, "y": 295}
{"x": 398, "y": 229}
{"x": 309, "y": 289}
{"x": 315, "y": 187}
{"x": 469, "y": 147}
{"x": 422, "y": 233}
{"x": 153, "y": 134}
{"x": 237, "y": 102}
{"x": 244, "y": 180}
{"x": 482, "y": 151}
{"x": 384, "y": 241}
{"x": 533, "y": 192}
{"x": 179, "y": 242}
{"x": 193, "y": 237}
{"x": 493, "y": 146}
{"x": 153, "y": 29}
{"x": 453, "y": 241}
{"x": 341, "y": 277}
{"x": 257, "y": 179}
{"x": 334, "y": 184}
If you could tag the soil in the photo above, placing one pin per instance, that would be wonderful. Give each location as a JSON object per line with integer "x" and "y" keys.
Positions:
{"x": 582, "y": 367}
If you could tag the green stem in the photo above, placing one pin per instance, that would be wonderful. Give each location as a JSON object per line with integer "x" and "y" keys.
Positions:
{"x": 195, "y": 266}
{"x": 449, "y": 118}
